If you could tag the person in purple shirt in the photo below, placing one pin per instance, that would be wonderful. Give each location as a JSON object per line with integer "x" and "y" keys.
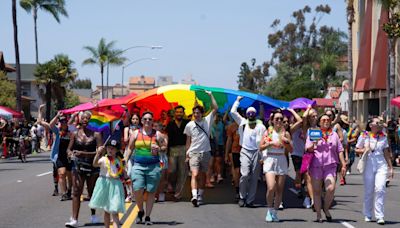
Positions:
{"x": 328, "y": 152}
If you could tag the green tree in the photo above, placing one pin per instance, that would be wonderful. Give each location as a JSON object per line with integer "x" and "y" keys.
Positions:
{"x": 81, "y": 84}
{"x": 54, "y": 7}
{"x": 305, "y": 56}
{"x": 7, "y": 91}
{"x": 55, "y": 75}
{"x": 252, "y": 78}
{"x": 71, "y": 99}
{"x": 103, "y": 54}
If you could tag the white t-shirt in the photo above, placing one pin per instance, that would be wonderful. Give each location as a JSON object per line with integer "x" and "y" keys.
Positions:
{"x": 103, "y": 167}
{"x": 200, "y": 141}
{"x": 33, "y": 132}
{"x": 40, "y": 130}
{"x": 299, "y": 143}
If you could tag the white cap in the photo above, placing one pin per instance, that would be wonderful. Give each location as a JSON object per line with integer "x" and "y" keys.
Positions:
{"x": 251, "y": 109}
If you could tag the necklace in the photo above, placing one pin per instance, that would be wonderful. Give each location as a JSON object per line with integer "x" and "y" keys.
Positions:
{"x": 117, "y": 163}
{"x": 376, "y": 135}
{"x": 151, "y": 138}
{"x": 326, "y": 133}
{"x": 269, "y": 137}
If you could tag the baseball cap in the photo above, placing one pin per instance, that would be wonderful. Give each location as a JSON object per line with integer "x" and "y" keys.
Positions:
{"x": 113, "y": 143}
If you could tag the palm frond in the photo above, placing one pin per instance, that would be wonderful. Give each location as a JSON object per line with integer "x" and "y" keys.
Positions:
{"x": 89, "y": 61}
{"x": 27, "y": 5}
{"x": 55, "y": 8}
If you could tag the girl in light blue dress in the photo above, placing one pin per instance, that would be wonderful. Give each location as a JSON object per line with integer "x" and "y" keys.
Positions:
{"x": 108, "y": 194}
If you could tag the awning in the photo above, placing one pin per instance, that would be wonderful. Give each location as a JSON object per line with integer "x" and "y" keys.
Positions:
{"x": 14, "y": 113}
{"x": 325, "y": 102}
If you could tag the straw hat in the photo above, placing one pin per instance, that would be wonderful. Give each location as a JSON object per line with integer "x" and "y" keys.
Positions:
{"x": 344, "y": 119}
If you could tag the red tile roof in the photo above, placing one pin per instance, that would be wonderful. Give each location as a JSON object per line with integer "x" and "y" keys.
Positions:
{"x": 324, "y": 102}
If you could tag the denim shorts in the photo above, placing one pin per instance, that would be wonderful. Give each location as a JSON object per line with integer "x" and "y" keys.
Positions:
{"x": 145, "y": 177}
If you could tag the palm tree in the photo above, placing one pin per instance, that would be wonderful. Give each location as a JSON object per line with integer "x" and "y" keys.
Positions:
{"x": 103, "y": 55}
{"x": 54, "y": 7}
{"x": 350, "y": 21}
{"x": 392, "y": 30}
{"x": 55, "y": 75}
{"x": 18, "y": 67}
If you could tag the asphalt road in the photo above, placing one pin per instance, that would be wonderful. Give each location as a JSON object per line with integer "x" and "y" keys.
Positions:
{"x": 26, "y": 201}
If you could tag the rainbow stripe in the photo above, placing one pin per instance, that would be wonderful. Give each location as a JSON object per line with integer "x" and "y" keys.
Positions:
{"x": 100, "y": 120}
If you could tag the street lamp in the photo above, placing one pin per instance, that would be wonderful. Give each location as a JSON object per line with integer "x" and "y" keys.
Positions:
{"x": 123, "y": 69}
{"x": 118, "y": 53}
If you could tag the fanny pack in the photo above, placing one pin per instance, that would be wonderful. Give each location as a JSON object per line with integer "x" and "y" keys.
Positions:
{"x": 85, "y": 167}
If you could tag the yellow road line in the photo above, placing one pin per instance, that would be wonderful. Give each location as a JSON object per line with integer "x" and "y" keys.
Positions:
{"x": 120, "y": 215}
{"x": 129, "y": 221}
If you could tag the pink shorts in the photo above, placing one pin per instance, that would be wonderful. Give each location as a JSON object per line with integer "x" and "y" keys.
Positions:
{"x": 321, "y": 173}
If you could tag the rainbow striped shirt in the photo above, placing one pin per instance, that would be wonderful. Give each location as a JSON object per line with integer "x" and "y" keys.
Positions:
{"x": 143, "y": 148}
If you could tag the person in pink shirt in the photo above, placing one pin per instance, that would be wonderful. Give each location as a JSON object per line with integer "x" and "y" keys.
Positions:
{"x": 328, "y": 152}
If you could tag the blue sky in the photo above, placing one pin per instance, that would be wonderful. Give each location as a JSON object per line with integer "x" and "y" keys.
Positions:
{"x": 206, "y": 39}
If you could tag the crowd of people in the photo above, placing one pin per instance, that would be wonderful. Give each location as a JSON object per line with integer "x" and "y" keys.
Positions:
{"x": 142, "y": 159}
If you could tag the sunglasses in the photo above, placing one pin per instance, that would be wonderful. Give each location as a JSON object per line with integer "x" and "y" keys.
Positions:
{"x": 147, "y": 119}
{"x": 285, "y": 121}
{"x": 325, "y": 120}
{"x": 278, "y": 119}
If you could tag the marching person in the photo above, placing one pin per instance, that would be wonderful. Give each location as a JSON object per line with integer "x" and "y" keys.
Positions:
{"x": 108, "y": 193}
{"x": 59, "y": 153}
{"x": 177, "y": 152}
{"x": 198, "y": 148}
{"x": 251, "y": 131}
{"x": 145, "y": 145}
{"x": 377, "y": 167}
{"x": 275, "y": 166}
{"x": 82, "y": 150}
{"x": 328, "y": 153}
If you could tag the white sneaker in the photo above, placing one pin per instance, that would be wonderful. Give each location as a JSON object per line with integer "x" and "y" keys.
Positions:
{"x": 380, "y": 221}
{"x": 367, "y": 219}
{"x": 72, "y": 223}
{"x": 348, "y": 173}
{"x": 281, "y": 207}
{"x": 212, "y": 179}
{"x": 94, "y": 219}
{"x": 307, "y": 203}
{"x": 128, "y": 199}
{"x": 161, "y": 197}
{"x": 219, "y": 178}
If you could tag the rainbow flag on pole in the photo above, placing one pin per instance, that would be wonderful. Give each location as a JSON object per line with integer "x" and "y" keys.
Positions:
{"x": 100, "y": 120}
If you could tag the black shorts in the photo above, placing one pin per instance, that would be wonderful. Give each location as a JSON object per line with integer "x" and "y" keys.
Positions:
{"x": 236, "y": 160}
{"x": 218, "y": 151}
{"x": 60, "y": 163}
{"x": 297, "y": 162}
